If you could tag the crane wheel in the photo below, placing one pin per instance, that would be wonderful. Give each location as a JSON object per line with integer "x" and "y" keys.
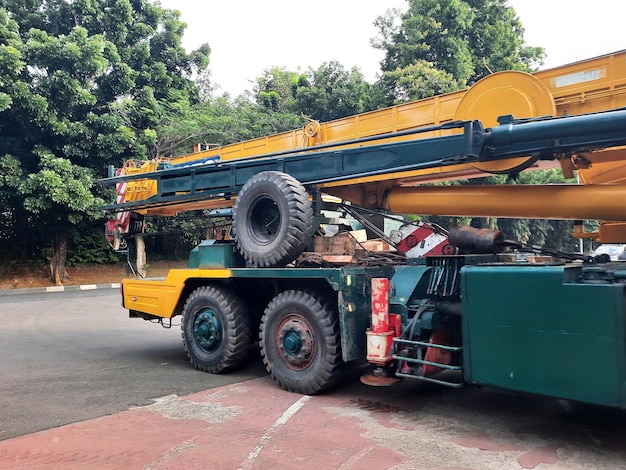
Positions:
{"x": 272, "y": 219}
{"x": 300, "y": 342}
{"x": 216, "y": 329}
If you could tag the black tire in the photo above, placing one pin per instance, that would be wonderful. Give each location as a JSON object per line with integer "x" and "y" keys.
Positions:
{"x": 273, "y": 219}
{"x": 216, "y": 329}
{"x": 300, "y": 342}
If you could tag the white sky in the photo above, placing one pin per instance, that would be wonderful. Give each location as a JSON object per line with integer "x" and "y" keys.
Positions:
{"x": 250, "y": 36}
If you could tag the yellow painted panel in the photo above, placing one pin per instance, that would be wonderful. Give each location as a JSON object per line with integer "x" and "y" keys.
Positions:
{"x": 151, "y": 296}
{"x": 592, "y": 85}
{"x": 159, "y": 297}
{"x": 606, "y": 167}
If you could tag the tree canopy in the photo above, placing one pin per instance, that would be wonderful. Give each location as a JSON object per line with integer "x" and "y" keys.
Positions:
{"x": 81, "y": 86}
{"x": 323, "y": 94}
{"x": 445, "y": 45}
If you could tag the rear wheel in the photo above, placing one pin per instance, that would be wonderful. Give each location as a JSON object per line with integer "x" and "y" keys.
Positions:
{"x": 216, "y": 329}
{"x": 300, "y": 342}
{"x": 273, "y": 219}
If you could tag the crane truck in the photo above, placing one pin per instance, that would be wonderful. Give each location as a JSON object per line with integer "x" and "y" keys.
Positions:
{"x": 477, "y": 309}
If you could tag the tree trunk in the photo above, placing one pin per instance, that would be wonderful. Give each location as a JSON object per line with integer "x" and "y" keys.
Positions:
{"x": 23, "y": 234}
{"x": 141, "y": 261}
{"x": 57, "y": 260}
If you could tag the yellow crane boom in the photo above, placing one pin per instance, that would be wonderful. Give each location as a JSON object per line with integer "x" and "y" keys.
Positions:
{"x": 593, "y": 85}
{"x": 587, "y": 86}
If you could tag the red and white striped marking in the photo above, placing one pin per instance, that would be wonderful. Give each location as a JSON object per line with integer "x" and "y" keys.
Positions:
{"x": 380, "y": 336}
{"x": 419, "y": 239}
{"x": 123, "y": 218}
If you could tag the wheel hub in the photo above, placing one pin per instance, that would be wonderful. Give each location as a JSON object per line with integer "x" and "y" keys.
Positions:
{"x": 296, "y": 342}
{"x": 265, "y": 220}
{"x": 207, "y": 330}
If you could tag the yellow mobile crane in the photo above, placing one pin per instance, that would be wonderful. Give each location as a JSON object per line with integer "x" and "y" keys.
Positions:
{"x": 472, "y": 315}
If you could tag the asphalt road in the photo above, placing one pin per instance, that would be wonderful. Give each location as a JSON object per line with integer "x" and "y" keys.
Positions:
{"x": 75, "y": 355}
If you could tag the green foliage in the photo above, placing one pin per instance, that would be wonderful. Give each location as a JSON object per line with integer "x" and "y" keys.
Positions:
{"x": 497, "y": 40}
{"x": 59, "y": 190}
{"x": 10, "y": 179}
{"x": 418, "y": 80}
{"x": 82, "y": 85}
{"x": 188, "y": 229}
{"x": 326, "y": 93}
{"x": 332, "y": 92}
{"x": 219, "y": 121}
{"x": 276, "y": 89}
{"x": 98, "y": 73}
{"x": 88, "y": 246}
{"x": 270, "y": 99}
{"x": 449, "y": 44}
{"x": 10, "y": 175}
{"x": 253, "y": 121}
{"x": 433, "y": 31}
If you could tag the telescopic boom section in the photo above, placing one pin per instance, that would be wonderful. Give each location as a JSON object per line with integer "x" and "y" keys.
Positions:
{"x": 592, "y": 85}
{"x": 540, "y": 140}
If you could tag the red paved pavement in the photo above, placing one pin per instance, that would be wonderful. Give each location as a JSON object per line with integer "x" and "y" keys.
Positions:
{"x": 255, "y": 425}
{"x": 250, "y": 425}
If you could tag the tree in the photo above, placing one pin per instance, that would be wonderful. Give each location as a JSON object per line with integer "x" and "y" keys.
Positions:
{"x": 438, "y": 46}
{"x": 326, "y": 93}
{"x": 464, "y": 40}
{"x": 431, "y": 30}
{"x": 496, "y": 39}
{"x": 417, "y": 81}
{"x": 276, "y": 89}
{"x": 59, "y": 195}
{"x": 82, "y": 82}
{"x": 332, "y": 92}
{"x": 10, "y": 178}
{"x": 219, "y": 121}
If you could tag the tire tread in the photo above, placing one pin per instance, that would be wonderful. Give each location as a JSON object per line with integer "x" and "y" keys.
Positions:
{"x": 238, "y": 324}
{"x": 329, "y": 367}
{"x": 300, "y": 216}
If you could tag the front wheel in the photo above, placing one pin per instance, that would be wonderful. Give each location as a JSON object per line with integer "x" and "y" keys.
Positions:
{"x": 216, "y": 329}
{"x": 300, "y": 342}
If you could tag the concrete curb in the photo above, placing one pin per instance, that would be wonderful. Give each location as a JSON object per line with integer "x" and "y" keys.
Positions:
{"x": 43, "y": 290}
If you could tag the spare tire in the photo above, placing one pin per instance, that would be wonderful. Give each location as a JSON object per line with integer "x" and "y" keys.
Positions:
{"x": 273, "y": 219}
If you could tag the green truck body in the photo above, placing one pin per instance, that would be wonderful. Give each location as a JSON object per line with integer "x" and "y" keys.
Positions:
{"x": 471, "y": 316}
{"x": 554, "y": 329}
